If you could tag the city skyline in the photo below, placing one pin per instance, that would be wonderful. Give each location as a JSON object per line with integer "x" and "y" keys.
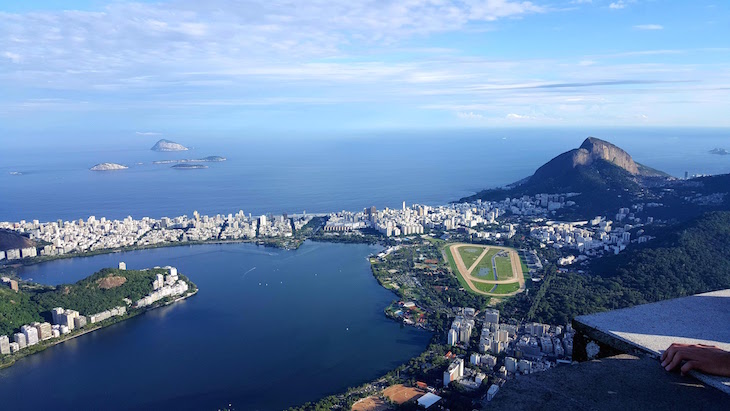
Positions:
{"x": 166, "y": 66}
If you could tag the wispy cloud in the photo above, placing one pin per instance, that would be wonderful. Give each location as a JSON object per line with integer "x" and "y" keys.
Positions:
{"x": 168, "y": 60}
{"x": 513, "y": 116}
{"x": 147, "y": 133}
{"x": 470, "y": 115}
{"x": 649, "y": 27}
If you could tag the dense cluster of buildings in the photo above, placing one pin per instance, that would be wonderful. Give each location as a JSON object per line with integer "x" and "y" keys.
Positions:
{"x": 66, "y": 320}
{"x": 526, "y": 348}
{"x": 478, "y": 220}
{"x": 592, "y": 238}
{"x": 416, "y": 219}
{"x": 164, "y": 286}
{"x": 63, "y": 322}
{"x": 80, "y": 236}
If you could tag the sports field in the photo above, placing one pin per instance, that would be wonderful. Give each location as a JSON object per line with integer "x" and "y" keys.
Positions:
{"x": 495, "y": 271}
{"x": 399, "y": 393}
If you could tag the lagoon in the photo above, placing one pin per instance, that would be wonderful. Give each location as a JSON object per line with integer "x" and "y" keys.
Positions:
{"x": 269, "y": 329}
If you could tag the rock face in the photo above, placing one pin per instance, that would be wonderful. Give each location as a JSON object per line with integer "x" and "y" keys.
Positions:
{"x": 167, "y": 145}
{"x": 10, "y": 240}
{"x": 108, "y": 167}
{"x": 591, "y": 151}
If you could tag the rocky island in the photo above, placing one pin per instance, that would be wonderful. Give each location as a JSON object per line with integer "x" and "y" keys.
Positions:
{"x": 209, "y": 159}
{"x": 167, "y": 145}
{"x": 719, "y": 151}
{"x": 108, "y": 167}
{"x": 188, "y": 166}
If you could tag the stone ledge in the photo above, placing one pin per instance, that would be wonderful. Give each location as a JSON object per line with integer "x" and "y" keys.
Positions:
{"x": 650, "y": 328}
{"x": 622, "y": 382}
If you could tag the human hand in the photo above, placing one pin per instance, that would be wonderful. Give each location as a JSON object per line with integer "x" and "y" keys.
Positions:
{"x": 705, "y": 358}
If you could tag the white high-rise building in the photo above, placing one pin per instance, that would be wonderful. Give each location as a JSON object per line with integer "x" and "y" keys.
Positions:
{"x": 31, "y": 334}
{"x": 510, "y": 364}
{"x": 453, "y": 337}
{"x": 44, "y": 330}
{"x": 56, "y": 314}
{"x": 20, "y": 340}
{"x": 454, "y": 372}
{"x": 4, "y": 345}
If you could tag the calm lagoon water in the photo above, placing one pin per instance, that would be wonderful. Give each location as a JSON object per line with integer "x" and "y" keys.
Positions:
{"x": 269, "y": 329}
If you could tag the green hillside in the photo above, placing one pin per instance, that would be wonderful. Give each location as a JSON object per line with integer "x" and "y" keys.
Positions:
{"x": 101, "y": 291}
{"x": 16, "y": 309}
{"x": 686, "y": 259}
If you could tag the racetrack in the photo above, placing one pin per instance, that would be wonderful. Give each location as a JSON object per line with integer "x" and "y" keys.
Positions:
{"x": 471, "y": 280}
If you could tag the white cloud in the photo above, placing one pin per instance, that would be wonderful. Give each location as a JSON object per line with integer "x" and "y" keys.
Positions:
{"x": 147, "y": 133}
{"x": 14, "y": 57}
{"x": 649, "y": 27}
{"x": 470, "y": 115}
{"x": 617, "y": 5}
{"x": 513, "y": 116}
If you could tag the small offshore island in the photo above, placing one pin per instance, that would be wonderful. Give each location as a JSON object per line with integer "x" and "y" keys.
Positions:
{"x": 108, "y": 167}
{"x": 167, "y": 145}
{"x": 209, "y": 159}
{"x": 53, "y": 315}
{"x": 189, "y": 166}
{"x": 720, "y": 151}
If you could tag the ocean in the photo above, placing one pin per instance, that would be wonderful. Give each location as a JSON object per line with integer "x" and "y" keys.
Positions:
{"x": 313, "y": 173}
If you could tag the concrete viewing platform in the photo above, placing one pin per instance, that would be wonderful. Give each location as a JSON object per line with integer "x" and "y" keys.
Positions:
{"x": 650, "y": 329}
{"x": 618, "y": 365}
{"x": 622, "y": 382}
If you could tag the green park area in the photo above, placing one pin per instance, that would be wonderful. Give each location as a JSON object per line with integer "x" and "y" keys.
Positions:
{"x": 470, "y": 254}
{"x": 500, "y": 289}
{"x": 504, "y": 268}
{"x": 486, "y": 264}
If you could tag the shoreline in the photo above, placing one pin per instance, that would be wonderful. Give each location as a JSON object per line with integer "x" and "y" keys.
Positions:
{"x": 222, "y": 242}
{"x": 128, "y": 316}
{"x": 7, "y": 265}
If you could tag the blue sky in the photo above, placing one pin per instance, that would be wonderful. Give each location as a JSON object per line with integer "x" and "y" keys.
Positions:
{"x": 362, "y": 64}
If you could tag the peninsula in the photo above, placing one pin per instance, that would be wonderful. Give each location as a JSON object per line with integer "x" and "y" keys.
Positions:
{"x": 167, "y": 145}
{"x": 53, "y": 315}
{"x": 108, "y": 167}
